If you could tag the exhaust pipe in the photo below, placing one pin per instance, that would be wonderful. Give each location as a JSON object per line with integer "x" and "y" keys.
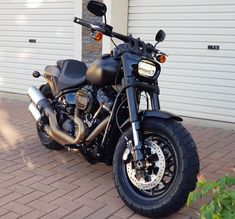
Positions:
{"x": 98, "y": 130}
{"x": 41, "y": 104}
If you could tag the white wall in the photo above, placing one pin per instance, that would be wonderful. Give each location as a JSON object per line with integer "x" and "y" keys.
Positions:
{"x": 117, "y": 16}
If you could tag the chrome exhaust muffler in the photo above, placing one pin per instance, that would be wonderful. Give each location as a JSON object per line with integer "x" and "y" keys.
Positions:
{"x": 39, "y": 104}
{"x": 34, "y": 112}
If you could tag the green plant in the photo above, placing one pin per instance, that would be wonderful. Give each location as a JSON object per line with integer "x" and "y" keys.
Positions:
{"x": 222, "y": 205}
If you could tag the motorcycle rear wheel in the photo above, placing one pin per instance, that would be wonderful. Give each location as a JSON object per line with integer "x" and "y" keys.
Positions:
{"x": 159, "y": 201}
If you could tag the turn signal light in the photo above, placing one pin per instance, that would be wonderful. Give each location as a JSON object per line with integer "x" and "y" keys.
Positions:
{"x": 98, "y": 36}
{"x": 161, "y": 58}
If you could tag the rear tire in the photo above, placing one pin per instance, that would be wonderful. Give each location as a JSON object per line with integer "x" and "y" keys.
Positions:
{"x": 161, "y": 204}
{"x": 46, "y": 140}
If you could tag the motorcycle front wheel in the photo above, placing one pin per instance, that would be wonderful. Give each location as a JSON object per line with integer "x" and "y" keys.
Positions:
{"x": 170, "y": 171}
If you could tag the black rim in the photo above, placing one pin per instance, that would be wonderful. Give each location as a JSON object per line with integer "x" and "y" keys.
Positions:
{"x": 171, "y": 167}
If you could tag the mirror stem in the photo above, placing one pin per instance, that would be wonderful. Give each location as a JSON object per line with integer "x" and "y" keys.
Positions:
{"x": 156, "y": 44}
{"x": 105, "y": 19}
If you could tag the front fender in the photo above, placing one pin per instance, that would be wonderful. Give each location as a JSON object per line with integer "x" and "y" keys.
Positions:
{"x": 159, "y": 114}
{"x": 152, "y": 114}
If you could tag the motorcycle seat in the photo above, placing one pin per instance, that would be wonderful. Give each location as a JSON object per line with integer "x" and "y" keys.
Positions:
{"x": 69, "y": 73}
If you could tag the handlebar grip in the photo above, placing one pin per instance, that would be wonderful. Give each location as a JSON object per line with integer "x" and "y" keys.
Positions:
{"x": 81, "y": 22}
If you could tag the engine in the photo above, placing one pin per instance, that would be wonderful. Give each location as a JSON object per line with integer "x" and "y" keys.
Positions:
{"x": 93, "y": 106}
{"x": 85, "y": 99}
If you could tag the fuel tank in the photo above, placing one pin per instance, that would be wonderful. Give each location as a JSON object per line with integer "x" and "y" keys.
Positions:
{"x": 104, "y": 71}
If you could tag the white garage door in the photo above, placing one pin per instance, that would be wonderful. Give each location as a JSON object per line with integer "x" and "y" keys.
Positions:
{"x": 196, "y": 81}
{"x": 33, "y": 34}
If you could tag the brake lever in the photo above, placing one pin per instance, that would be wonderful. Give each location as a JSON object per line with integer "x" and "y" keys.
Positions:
{"x": 160, "y": 53}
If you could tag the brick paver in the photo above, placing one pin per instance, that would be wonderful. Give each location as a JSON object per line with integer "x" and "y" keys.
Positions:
{"x": 38, "y": 183}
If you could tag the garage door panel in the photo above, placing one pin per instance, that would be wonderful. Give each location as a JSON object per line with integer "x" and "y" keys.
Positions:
{"x": 45, "y": 5}
{"x": 195, "y": 81}
{"x": 199, "y": 114}
{"x": 54, "y": 45}
{"x": 15, "y": 76}
{"x": 181, "y": 30}
{"x": 213, "y": 8}
{"x": 158, "y": 17}
{"x": 37, "y": 12}
{"x": 23, "y": 56}
{"x": 39, "y": 33}
{"x": 192, "y": 38}
{"x": 33, "y": 3}
{"x": 179, "y": 2}
{"x": 195, "y": 52}
{"x": 49, "y": 22}
{"x": 19, "y": 81}
{"x": 35, "y": 17}
{"x": 40, "y": 40}
{"x": 202, "y": 81}
{"x": 199, "y": 66}
{"x": 22, "y": 66}
{"x": 197, "y": 73}
{"x": 197, "y": 94}
{"x": 201, "y": 59}
{"x": 29, "y": 28}
{"x": 23, "y": 23}
{"x": 185, "y": 23}
{"x": 225, "y": 90}
{"x": 22, "y": 89}
{"x": 190, "y": 45}
{"x": 23, "y": 50}
{"x": 200, "y": 108}
{"x": 221, "y": 105}
{"x": 25, "y": 61}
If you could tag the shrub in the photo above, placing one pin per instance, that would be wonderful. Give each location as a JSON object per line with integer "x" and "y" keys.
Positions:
{"x": 222, "y": 205}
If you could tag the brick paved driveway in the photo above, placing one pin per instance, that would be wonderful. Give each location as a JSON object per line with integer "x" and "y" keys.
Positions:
{"x": 38, "y": 183}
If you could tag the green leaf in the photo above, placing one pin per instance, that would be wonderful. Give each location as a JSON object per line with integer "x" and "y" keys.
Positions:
{"x": 207, "y": 187}
{"x": 232, "y": 193}
{"x": 228, "y": 215}
{"x": 227, "y": 180}
{"x": 207, "y": 213}
{"x": 216, "y": 216}
{"x": 193, "y": 196}
{"x": 222, "y": 205}
{"x": 190, "y": 199}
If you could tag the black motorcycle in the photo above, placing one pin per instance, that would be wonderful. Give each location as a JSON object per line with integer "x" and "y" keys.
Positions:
{"x": 97, "y": 110}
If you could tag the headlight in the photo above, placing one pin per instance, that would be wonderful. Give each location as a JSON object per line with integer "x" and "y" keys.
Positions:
{"x": 147, "y": 68}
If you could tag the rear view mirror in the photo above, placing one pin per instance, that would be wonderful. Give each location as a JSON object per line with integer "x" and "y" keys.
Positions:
{"x": 97, "y": 8}
{"x": 160, "y": 36}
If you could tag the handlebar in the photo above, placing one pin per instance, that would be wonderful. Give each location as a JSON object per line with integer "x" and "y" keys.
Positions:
{"x": 101, "y": 28}
{"x": 120, "y": 36}
{"x": 107, "y": 30}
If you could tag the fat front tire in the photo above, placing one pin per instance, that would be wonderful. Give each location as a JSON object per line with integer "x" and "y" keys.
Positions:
{"x": 46, "y": 140}
{"x": 161, "y": 202}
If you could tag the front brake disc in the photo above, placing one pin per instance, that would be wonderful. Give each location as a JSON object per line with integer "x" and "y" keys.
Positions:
{"x": 153, "y": 178}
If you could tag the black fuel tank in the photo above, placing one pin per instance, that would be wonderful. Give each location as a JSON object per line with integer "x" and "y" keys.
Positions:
{"x": 104, "y": 71}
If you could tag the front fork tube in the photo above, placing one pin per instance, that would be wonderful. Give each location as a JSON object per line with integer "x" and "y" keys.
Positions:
{"x": 132, "y": 103}
{"x": 155, "y": 101}
{"x": 135, "y": 124}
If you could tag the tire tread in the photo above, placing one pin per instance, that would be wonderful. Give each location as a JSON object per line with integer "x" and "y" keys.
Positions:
{"x": 189, "y": 173}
